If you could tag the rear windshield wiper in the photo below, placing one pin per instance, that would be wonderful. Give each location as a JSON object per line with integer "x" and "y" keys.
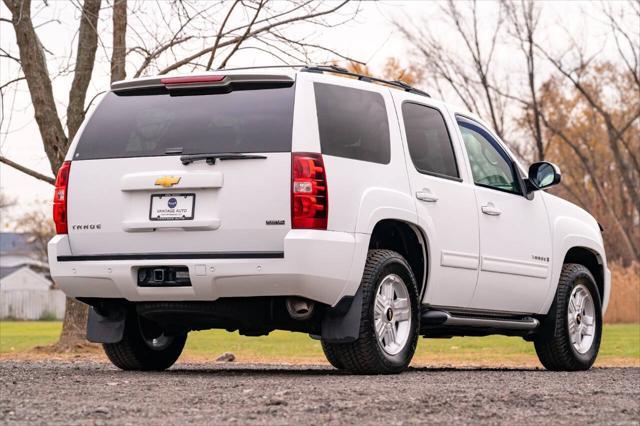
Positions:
{"x": 211, "y": 158}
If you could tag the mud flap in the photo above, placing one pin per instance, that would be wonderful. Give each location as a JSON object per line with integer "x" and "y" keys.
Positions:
{"x": 107, "y": 326}
{"x": 341, "y": 324}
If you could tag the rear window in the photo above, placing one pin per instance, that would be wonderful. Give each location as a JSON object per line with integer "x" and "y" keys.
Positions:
{"x": 353, "y": 123}
{"x": 429, "y": 142}
{"x": 144, "y": 125}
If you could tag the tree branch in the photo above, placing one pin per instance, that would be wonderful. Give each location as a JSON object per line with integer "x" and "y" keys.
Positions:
{"x": 259, "y": 30}
{"x": 219, "y": 35}
{"x": 243, "y": 38}
{"x": 28, "y": 171}
{"x": 10, "y": 82}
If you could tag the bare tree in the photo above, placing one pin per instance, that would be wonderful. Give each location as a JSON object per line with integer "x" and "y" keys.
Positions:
{"x": 620, "y": 124}
{"x": 523, "y": 19}
{"x": 470, "y": 74}
{"x": 578, "y": 110}
{"x": 588, "y": 179}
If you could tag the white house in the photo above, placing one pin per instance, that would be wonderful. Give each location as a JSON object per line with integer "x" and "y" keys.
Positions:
{"x": 27, "y": 295}
{"x": 25, "y": 290}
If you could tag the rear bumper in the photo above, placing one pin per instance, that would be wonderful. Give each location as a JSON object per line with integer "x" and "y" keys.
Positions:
{"x": 320, "y": 265}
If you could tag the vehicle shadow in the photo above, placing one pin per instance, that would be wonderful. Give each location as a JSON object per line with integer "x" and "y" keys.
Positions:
{"x": 319, "y": 370}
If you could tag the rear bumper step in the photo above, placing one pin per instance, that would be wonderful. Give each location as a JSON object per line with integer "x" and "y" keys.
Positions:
{"x": 175, "y": 256}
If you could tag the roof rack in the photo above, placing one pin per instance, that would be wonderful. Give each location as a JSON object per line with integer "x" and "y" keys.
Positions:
{"x": 339, "y": 70}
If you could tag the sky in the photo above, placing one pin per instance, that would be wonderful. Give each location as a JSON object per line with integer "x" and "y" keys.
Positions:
{"x": 371, "y": 38}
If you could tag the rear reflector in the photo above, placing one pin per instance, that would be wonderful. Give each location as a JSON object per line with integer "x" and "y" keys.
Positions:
{"x": 309, "y": 194}
{"x": 60, "y": 198}
{"x": 201, "y": 79}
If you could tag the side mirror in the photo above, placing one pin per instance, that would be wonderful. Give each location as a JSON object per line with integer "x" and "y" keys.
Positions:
{"x": 542, "y": 175}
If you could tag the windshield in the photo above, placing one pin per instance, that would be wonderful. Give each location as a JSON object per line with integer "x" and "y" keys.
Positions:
{"x": 143, "y": 125}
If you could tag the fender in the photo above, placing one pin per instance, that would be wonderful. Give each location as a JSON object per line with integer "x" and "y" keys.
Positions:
{"x": 562, "y": 245}
{"x": 377, "y": 204}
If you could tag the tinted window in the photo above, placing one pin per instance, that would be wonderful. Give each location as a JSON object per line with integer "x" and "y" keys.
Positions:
{"x": 428, "y": 139}
{"x": 490, "y": 165}
{"x": 147, "y": 125}
{"x": 353, "y": 123}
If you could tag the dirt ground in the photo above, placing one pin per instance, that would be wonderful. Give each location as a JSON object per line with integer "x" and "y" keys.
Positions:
{"x": 89, "y": 392}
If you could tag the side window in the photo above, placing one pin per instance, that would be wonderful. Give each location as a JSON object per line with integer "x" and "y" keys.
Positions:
{"x": 352, "y": 123}
{"x": 490, "y": 165}
{"x": 429, "y": 142}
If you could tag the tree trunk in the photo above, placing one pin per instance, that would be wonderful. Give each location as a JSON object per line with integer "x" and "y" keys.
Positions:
{"x": 34, "y": 67}
{"x": 85, "y": 60}
{"x": 119, "y": 40}
{"x": 55, "y": 141}
{"x": 74, "y": 326}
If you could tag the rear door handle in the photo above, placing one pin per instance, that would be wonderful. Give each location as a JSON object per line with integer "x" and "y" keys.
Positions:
{"x": 426, "y": 195}
{"x": 491, "y": 210}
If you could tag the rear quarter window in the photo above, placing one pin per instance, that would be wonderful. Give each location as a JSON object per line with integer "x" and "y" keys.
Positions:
{"x": 352, "y": 123}
{"x": 428, "y": 140}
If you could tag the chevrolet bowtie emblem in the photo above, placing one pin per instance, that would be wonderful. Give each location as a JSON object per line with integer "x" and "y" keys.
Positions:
{"x": 167, "y": 181}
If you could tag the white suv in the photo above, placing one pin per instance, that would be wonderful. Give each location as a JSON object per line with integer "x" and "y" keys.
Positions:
{"x": 362, "y": 212}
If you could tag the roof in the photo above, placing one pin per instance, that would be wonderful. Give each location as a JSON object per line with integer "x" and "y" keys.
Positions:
{"x": 16, "y": 243}
{"x": 23, "y": 278}
{"x": 8, "y": 270}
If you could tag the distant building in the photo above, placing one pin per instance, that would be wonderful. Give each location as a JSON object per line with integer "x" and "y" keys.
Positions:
{"x": 26, "y": 291}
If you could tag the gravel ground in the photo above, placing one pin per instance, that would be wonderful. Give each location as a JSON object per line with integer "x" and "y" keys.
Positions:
{"x": 81, "y": 392}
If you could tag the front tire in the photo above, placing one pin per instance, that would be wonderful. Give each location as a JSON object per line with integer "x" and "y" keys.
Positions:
{"x": 576, "y": 321}
{"x": 144, "y": 347}
{"x": 389, "y": 322}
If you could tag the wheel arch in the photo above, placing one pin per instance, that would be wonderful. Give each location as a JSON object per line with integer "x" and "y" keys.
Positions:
{"x": 592, "y": 261}
{"x": 407, "y": 239}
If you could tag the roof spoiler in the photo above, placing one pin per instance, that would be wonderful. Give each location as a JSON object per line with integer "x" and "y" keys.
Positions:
{"x": 195, "y": 82}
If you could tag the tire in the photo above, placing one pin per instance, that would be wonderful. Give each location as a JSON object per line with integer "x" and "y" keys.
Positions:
{"x": 137, "y": 352}
{"x": 330, "y": 354}
{"x": 556, "y": 349}
{"x": 369, "y": 354}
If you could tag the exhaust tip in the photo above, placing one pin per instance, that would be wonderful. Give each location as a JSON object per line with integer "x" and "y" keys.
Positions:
{"x": 300, "y": 309}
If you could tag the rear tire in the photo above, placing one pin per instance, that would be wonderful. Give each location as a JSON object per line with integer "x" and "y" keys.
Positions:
{"x": 576, "y": 322}
{"x": 144, "y": 347}
{"x": 330, "y": 353}
{"x": 389, "y": 322}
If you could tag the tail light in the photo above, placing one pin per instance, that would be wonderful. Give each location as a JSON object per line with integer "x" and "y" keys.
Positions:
{"x": 60, "y": 198}
{"x": 309, "y": 195}
{"x": 201, "y": 79}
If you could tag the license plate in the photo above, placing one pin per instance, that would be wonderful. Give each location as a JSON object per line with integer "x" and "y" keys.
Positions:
{"x": 172, "y": 206}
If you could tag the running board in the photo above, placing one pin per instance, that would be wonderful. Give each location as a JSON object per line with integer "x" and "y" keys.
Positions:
{"x": 442, "y": 318}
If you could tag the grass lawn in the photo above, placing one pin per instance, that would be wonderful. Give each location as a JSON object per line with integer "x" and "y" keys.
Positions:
{"x": 620, "y": 346}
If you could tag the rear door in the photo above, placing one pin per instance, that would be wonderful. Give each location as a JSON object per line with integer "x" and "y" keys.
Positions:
{"x": 130, "y": 193}
{"x": 445, "y": 201}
